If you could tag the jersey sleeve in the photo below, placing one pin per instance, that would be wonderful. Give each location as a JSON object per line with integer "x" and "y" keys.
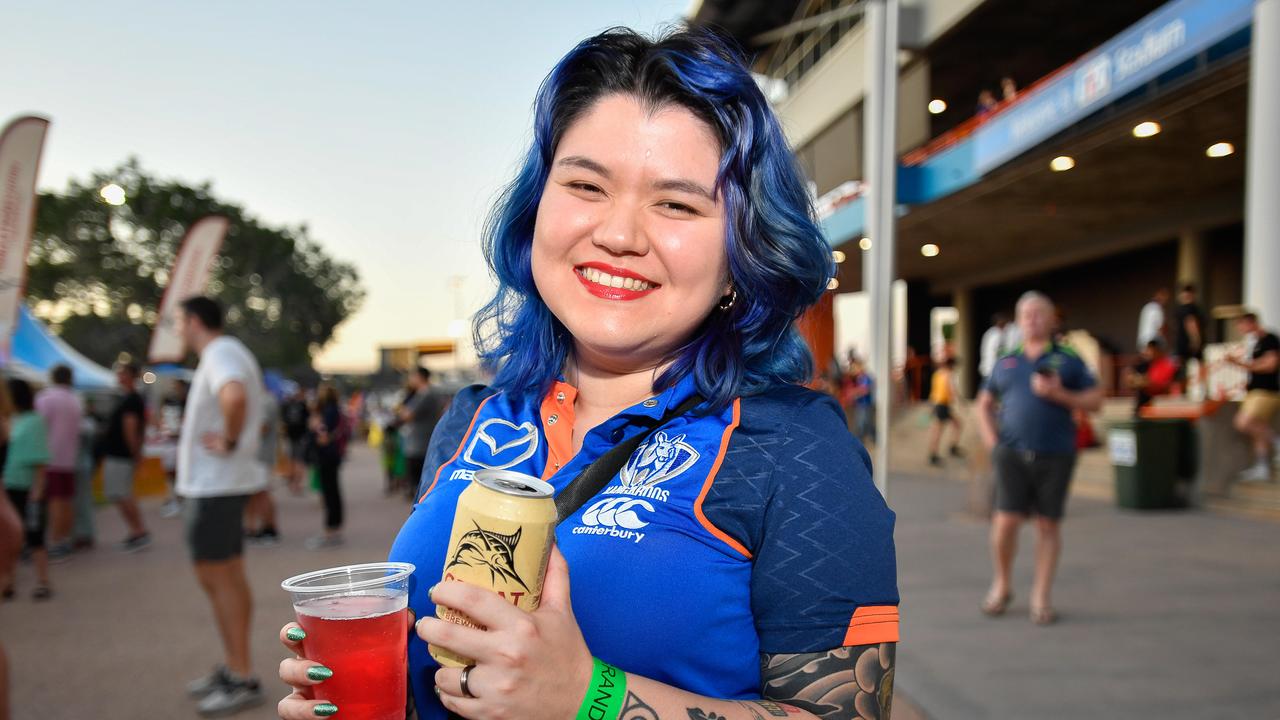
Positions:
{"x": 825, "y": 571}
{"x": 449, "y": 432}
{"x": 1080, "y": 378}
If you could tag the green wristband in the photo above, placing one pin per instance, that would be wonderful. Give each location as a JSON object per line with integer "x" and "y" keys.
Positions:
{"x": 604, "y": 695}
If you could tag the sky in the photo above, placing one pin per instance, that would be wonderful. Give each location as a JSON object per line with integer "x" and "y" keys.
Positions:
{"x": 386, "y": 127}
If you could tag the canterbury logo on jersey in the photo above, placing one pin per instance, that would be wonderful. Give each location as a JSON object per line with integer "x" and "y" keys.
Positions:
{"x": 615, "y": 517}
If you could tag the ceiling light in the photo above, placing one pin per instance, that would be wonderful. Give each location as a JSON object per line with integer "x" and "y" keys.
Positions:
{"x": 1146, "y": 129}
{"x": 865, "y": 243}
{"x": 1220, "y": 149}
{"x": 937, "y": 106}
{"x": 832, "y": 284}
{"x": 1061, "y": 163}
{"x": 929, "y": 250}
{"x": 837, "y": 256}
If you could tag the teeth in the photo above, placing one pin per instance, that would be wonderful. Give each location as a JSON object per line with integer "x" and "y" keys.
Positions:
{"x": 614, "y": 281}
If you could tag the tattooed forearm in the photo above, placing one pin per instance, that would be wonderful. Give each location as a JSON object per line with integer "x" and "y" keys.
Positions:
{"x": 849, "y": 682}
{"x": 633, "y": 708}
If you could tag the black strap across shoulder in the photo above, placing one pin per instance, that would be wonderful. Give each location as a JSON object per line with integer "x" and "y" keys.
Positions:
{"x": 595, "y": 476}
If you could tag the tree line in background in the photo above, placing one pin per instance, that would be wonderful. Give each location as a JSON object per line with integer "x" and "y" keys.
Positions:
{"x": 96, "y": 272}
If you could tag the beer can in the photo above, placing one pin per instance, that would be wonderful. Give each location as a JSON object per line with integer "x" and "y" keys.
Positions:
{"x": 501, "y": 541}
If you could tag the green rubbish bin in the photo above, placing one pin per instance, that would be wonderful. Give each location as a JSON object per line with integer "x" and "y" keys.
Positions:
{"x": 1153, "y": 461}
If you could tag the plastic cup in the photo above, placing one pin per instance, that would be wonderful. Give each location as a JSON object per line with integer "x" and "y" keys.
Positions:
{"x": 356, "y": 618}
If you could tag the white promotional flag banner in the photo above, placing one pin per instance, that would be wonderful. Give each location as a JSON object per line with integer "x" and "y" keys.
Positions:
{"x": 189, "y": 277}
{"x": 20, "y": 145}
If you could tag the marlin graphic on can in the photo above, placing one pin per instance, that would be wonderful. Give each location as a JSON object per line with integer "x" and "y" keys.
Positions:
{"x": 501, "y": 541}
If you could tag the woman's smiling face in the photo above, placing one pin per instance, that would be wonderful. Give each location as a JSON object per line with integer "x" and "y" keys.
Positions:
{"x": 629, "y": 242}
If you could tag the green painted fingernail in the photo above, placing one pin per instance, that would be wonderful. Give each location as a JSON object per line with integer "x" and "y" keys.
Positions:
{"x": 295, "y": 634}
{"x": 319, "y": 672}
{"x": 326, "y": 709}
{"x": 432, "y": 590}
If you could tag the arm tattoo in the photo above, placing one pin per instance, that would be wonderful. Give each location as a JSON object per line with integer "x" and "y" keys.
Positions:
{"x": 848, "y": 682}
{"x": 633, "y": 708}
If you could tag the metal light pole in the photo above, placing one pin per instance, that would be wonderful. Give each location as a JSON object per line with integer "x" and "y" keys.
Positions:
{"x": 880, "y": 173}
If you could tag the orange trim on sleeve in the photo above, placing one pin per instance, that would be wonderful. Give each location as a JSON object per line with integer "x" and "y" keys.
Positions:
{"x": 871, "y": 625}
{"x": 457, "y": 452}
{"x": 706, "y": 486}
{"x": 559, "y": 434}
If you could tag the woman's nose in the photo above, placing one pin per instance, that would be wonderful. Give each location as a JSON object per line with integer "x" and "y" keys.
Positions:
{"x": 619, "y": 231}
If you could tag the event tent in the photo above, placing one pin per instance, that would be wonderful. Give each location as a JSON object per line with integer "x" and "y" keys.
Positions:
{"x": 35, "y": 350}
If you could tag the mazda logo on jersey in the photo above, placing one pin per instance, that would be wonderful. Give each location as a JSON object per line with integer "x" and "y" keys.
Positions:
{"x": 500, "y": 444}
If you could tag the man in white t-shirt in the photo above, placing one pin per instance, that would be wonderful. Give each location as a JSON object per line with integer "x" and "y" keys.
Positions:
{"x": 218, "y": 470}
{"x": 1151, "y": 319}
{"x": 993, "y": 345}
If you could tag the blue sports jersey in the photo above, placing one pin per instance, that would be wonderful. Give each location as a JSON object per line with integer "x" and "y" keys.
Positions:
{"x": 1028, "y": 421}
{"x": 752, "y": 529}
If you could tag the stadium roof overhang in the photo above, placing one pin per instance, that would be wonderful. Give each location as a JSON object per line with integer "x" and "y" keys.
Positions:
{"x": 1124, "y": 192}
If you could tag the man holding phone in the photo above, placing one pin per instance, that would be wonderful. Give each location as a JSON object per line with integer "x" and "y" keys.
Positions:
{"x": 1025, "y": 418}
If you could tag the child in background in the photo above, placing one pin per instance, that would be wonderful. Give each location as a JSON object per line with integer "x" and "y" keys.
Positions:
{"x": 943, "y": 394}
{"x": 24, "y": 480}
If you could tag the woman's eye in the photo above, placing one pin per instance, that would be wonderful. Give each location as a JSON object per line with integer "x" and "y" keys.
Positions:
{"x": 676, "y": 207}
{"x": 584, "y": 187}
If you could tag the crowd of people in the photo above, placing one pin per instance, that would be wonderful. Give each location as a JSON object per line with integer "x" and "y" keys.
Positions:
{"x": 223, "y": 440}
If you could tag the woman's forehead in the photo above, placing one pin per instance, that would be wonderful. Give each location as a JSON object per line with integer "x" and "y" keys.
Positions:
{"x": 621, "y": 130}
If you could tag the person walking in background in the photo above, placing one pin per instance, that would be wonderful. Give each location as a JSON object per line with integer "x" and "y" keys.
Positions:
{"x": 1151, "y": 324}
{"x": 218, "y": 470}
{"x": 295, "y": 413}
{"x": 993, "y": 345}
{"x": 62, "y": 413}
{"x": 329, "y": 430}
{"x": 1261, "y": 359}
{"x": 1188, "y": 332}
{"x": 986, "y": 103}
{"x": 121, "y": 452}
{"x": 943, "y": 395}
{"x": 25, "y": 481}
{"x": 261, "y": 511}
{"x": 1008, "y": 89}
{"x": 1033, "y": 449}
{"x": 419, "y": 415}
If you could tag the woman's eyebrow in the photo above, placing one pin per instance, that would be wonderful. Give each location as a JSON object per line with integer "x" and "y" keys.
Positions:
{"x": 685, "y": 186}
{"x": 585, "y": 163}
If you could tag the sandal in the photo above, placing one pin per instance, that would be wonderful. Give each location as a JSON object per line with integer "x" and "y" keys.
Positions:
{"x": 1043, "y": 615}
{"x": 43, "y": 592}
{"x": 996, "y": 606}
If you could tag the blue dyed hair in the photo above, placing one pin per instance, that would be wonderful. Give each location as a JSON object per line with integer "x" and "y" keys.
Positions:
{"x": 779, "y": 263}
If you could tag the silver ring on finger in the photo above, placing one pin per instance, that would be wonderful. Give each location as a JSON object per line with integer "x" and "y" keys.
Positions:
{"x": 464, "y": 679}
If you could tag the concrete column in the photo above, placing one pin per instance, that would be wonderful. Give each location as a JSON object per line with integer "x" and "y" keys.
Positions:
{"x": 1262, "y": 175}
{"x": 1191, "y": 261}
{"x": 965, "y": 344}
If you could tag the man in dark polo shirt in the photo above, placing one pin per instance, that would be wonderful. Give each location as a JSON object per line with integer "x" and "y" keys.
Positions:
{"x": 1024, "y": 416}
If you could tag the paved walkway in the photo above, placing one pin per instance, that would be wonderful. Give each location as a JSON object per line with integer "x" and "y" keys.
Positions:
{"x": 1164, "y": 615}
{"x": 124, "y": 633}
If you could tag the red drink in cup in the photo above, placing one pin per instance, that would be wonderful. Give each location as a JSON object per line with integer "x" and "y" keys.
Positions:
{"x": 357, "y": 622}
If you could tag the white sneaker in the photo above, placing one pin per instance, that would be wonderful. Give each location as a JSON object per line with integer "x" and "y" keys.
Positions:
{"x": 201, "y": 687}
{"x": 323, "y": 542}
{"x": 171, "y": 508}
{"x": 1258, "y": 473}
{"x": 231, "y": 697}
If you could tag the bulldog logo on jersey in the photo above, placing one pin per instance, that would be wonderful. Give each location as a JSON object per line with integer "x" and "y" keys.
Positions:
{"x": 500, "y": 444}
{"x": 659, "y": 459}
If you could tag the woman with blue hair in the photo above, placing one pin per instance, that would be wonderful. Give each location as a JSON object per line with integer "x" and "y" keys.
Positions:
{"x": 652, "y": 256}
